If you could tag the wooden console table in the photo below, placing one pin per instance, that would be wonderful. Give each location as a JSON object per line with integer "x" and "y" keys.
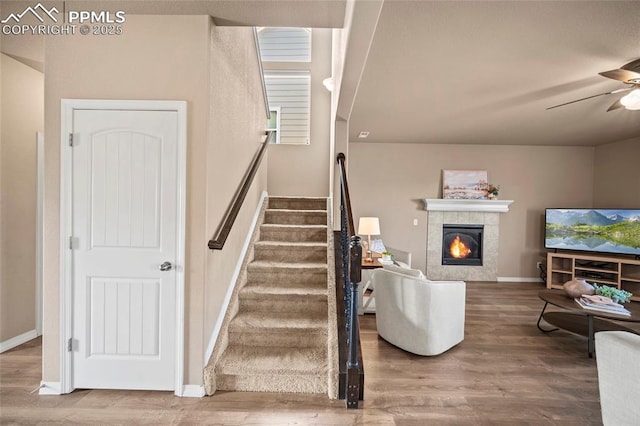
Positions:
{"x": 364, "y": 305}
{"x": 581, "y": 321}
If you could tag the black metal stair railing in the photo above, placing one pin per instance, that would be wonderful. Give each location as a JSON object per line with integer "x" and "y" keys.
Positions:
{"x": 351, "y": 272}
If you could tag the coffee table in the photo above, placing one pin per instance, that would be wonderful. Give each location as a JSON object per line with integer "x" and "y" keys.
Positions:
{"x": 582, "y": 321}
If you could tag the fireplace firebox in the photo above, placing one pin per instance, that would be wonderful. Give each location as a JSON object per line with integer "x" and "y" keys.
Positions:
{"x": 462, "y": 245}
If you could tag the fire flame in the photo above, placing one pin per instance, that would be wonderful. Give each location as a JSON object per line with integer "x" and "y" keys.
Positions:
{"x": 458, "y": 249}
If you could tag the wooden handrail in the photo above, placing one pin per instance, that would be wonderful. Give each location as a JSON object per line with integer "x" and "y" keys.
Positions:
{"x": 218, "y": 240}
{"x": 345, "y": 188}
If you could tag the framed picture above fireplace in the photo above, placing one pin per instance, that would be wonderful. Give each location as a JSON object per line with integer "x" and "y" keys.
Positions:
{"x": 464, "y": 184}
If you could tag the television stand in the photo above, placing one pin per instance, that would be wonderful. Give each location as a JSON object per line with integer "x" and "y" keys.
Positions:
{"x": 615, "y": 271}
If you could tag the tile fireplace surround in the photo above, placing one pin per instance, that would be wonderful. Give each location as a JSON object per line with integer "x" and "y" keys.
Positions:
{"x": 463, "y": 212}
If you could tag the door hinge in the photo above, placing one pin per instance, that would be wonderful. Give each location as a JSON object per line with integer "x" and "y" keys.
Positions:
{"x": 71, "y": 140}
{"x": 70, "y": 345}
{"x": 72, "y": 243}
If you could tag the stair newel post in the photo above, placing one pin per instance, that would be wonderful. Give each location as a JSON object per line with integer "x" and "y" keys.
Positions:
{"x": 355, "y": 274}
{"x": 353, "y": 367}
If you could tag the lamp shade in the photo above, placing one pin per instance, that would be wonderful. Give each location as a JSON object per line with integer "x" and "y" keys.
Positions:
{"x": 369, "y": 226}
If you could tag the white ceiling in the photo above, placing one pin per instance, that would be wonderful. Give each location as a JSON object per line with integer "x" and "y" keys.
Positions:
{"x": 483, "y": 72}
{"x": 444, "y": 72}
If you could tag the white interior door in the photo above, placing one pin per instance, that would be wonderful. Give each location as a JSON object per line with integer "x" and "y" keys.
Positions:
{"x": 125, "y": 189}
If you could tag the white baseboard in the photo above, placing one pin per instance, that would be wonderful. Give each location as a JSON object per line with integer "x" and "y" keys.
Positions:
{"x": 50, "y": 388}
{"x": 232, "y": 283}
{"x": 18, "y": 340}
{"x": 519, "y": 280}
{"x": 188, "y": 391}
{"x": 192, "y": 391}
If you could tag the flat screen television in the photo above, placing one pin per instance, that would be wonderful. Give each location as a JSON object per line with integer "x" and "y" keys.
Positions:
{"x": 614, "y": 231}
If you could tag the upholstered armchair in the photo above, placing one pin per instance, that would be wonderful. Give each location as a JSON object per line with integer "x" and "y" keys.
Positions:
{"x": 420, "y": 316}
{"x": 618, "y": 362}
{"x": 400, "y": 257}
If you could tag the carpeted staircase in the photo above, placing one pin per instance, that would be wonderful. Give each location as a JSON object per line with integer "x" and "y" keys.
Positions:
{"x": 277, "y": 339}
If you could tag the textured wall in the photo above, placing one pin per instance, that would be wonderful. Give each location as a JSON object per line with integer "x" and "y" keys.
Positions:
{"x": 22, "y": 116}
{"x": 616, "y": 180}
{"x": 238, "y": 118}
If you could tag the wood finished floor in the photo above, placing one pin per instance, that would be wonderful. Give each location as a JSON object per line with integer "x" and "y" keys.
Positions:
{"x": 505, "y": 372}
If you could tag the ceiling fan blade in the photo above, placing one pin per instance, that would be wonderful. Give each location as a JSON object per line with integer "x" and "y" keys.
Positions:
{"x": 578, "y": 100}
{"x": 625, "y": 76}
{"x": 632, "y": 66}
{"x": 625, "y": 89}
{"x": 615, "y": 105}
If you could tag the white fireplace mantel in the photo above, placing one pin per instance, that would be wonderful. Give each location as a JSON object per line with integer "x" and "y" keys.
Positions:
{"x": 456, "y": 205}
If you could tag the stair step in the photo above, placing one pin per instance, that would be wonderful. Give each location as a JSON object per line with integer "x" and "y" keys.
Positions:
{"x": 274, "y": 289}
{"x": 287, "y": 274}
{"x": 296, "y": 217}
{"x": 287, "y": 267}
{"x": 250, "y": 360}
{"x": 293, "y": 233}
{"x": 287, "y": 284}
{"x": 261, "y": 321}
{"x": 286, "y": 337}
{"x": 302, "y": 304}
{"x": 284, "y": 383}
{"x": 291, "y": 252}
{"x": 298, "y": 203}
{"x": 273, "y": 369}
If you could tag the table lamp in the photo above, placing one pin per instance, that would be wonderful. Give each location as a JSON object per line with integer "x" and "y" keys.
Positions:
{"x": 369, "y": 226}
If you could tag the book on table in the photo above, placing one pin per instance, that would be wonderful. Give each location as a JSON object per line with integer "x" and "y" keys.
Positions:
{"x": 601, "y": 304}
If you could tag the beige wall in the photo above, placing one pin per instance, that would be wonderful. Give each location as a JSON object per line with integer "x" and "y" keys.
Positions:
{"x": 303, "y": 170}
{"x": 390, "y": 181}
{"x": 150, "y": 61}
{"x": 616, "y": 179}
{"x": 22, "y": 116}
{"x": 238, "y": 118}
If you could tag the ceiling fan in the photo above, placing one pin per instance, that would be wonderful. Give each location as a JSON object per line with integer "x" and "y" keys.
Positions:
{"x": 628, "y": 74}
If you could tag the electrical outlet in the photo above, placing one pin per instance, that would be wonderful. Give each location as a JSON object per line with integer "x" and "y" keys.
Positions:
{"x": 415, "y": 222}
{"x": 538, "y": 265}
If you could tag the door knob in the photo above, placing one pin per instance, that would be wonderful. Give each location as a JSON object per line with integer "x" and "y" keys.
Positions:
{"x": 166, "y": 266}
